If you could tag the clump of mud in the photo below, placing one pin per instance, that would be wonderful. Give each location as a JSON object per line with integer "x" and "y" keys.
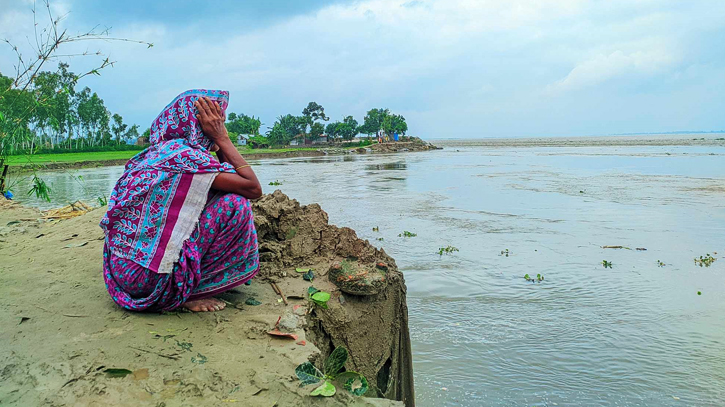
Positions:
{"x": 373, "y": 327}
{"x": 410, "y": 144}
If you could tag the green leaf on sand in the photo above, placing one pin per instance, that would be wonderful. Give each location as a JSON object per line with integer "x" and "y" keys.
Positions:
{"x": 326, "y": 390}
{"x": 308, "y": 374}
{"x": 312, "y": 290}
{"x": 320, "y": 298}
{"x": 308, "y": 276}
{"x": 117, "y": 372}
{"x": 199, "y": 358}
{"x": 336, "y": 361}
{"x": 252, "y": 301}
{"x": 299, "y": 270}
{"x": 355, "y": 383}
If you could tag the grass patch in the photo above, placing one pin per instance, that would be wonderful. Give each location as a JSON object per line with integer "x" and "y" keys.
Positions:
{"x": 70, "y": 157}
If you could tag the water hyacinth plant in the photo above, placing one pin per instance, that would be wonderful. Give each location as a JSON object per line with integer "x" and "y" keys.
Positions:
{"x": 353, "y": 382}
{"x": 705, "y": 261}
{"x": 447, "y": 250}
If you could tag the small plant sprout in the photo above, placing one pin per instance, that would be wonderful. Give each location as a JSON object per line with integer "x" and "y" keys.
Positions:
{"x": 318, "y": 297}
{"x": 660, "y": 264}
{"x": 353, "y": 382}
{"x": 607, "y": 264}
{"x": 705, "y": 261}
{"x": 275, "y": 183}
{"x": 407, "y": 234}
{"x": 447, "y": 250}
{"x": 504, "y": 253}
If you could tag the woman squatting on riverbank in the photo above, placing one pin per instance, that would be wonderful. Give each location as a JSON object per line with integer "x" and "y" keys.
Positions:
{"x": 179, "y": 227}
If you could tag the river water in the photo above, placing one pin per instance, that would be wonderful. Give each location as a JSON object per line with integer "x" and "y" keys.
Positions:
{"x": 636, "y": 334}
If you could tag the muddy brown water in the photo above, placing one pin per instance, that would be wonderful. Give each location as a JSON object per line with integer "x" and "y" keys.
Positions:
{"x": 633, "y": 335}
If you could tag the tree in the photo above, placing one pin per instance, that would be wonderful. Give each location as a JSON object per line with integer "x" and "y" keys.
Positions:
{"x": 316, "y": 130}
{"x": 243, "y": 124}
{"x": 331, "y": 130}
{"x": 315, "y": 112}
{"x": 394, "y": 124}
{"x": 349, "y": 128}
{"x": 131, "y": 135}
{"x": 285, "y": 129}
{"x": 310, "y": 115}
{"x": 373, "y": 121}
{"x": 119, "y": 127}
{"x": 44, "y": 47}
{"x": 346, "y": 130}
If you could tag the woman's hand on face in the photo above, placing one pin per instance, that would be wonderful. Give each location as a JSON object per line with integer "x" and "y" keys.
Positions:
{"x": 211, "y": 118}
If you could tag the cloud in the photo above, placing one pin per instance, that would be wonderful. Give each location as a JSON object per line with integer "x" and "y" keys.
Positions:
{"x": 602, "y": 68}
{"x": 522, "y": 67}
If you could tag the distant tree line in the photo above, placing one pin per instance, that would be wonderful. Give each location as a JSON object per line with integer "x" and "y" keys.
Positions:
{"x": 309, "y": 126}
{"x": 53, "y": 115}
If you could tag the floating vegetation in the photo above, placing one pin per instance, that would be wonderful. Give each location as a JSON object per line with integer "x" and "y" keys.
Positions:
{"x": 705, "y": 261}
{"x": 275, "y": 183}
{"x": 699, "y": 293}
{"x": 660, "y": 264}
{"x": 353, "y": 382}
{"x": 379, "y": 239}
{"x": 407, "y": 234}
{"x": 607, "y": 264}
{"x": 376, "y": 229}
{"x": 447, "y": 250}
{"x": 539, "y": 278}
{"x": 504, "y": 253}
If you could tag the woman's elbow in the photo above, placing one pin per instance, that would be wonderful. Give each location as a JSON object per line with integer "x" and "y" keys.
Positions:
{"x": 257, "y": 193}
{"x": 252, "y": 193}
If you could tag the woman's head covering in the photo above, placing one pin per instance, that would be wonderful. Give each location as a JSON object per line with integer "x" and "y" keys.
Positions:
{"x": 156, "y": 203}
{"x": 178, "y": 119}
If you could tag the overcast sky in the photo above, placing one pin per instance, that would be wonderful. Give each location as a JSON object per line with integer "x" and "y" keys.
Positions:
{"x": 453, "y": 68}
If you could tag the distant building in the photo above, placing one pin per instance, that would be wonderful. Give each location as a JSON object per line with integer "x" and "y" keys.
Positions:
{"x": 242, "y": 139}
{"x": 321, "y": 140}
{"x": 298, "y": 140}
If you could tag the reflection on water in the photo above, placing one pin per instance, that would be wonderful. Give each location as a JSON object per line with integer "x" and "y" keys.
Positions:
{"x": 633, "y": 335}
{"x": 387, "y": 166}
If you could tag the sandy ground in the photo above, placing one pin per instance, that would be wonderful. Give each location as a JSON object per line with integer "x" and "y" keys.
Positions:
{"x": 61, "y": 331}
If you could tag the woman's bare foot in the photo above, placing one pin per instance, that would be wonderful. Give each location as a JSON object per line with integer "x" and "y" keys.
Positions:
{"x": 205, "y": 305}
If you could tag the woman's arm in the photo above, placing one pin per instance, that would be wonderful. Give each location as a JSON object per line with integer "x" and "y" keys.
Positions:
{"x": 244, "y": 182}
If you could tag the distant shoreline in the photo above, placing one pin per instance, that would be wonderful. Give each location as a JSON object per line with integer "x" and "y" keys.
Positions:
{"x": 667, "y": 136}
{"x": 78, "y": 162}
{"x": 717, "y": 139}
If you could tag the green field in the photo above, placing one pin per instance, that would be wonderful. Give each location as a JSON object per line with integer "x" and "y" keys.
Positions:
{"x": 122, "y": 155}
{"x": 70, "y": 157}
